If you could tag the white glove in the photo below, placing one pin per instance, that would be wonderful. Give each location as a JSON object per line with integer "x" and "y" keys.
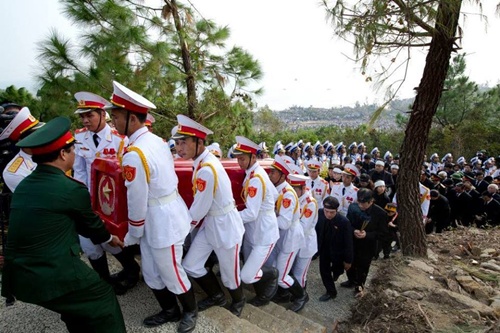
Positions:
{"x": 130, "y": 240}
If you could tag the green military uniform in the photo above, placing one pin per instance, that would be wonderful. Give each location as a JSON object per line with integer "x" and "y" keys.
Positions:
{"x": 42, "y": 259}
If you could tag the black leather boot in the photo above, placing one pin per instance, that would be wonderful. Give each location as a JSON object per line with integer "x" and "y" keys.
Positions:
{"x": 238, "y": 302}
{"x": 170, "y": 309}
{"x": 100, "y": 265}
{"x": 300, "y": 297}
{"x": 129, "y": 276}
{"x": 189, "y": 312}
{"x": 211, "y": 287}
{"x": 266, "y": 288}
{"x": 282, "y": 296}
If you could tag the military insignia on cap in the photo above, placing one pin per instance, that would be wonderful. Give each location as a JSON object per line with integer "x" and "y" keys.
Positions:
{"x": 252, "y": 191}
{"x": 201, "y": 184}
{"x": 287, "y": 203}
{"x": 129, "y": 173}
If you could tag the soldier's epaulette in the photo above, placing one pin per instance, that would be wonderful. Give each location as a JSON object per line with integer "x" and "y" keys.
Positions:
{"x": 115, "y": 132}
{"x": 81, "y": 130}
{"x": 15, "y": 165}
{"x": 75, "y": 180}
{"x": 324, "y": 181}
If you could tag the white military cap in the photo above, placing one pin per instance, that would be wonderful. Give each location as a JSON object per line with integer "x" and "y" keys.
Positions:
{"x": 88, "y": 101}
{"x": 188, "y": 127}
{"x": 127, "y": 99}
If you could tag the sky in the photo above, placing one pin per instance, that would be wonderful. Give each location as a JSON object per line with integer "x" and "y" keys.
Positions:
{"x": 304, "y": 64}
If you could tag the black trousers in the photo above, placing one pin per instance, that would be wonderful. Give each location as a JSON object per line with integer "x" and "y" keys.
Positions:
{"x": 327, "y": 275}
{"x": 360, "y": 268}
{"x": 93, "y": 309}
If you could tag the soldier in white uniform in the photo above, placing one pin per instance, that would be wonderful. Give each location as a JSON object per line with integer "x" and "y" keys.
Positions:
{"x": 95, "y": 139}
{"x": 222, "y": 228}
{"x": 346, "y": 192}
{"x": 318, "y": 187}
{"x": 308, "y": 220}
{"x": 158, "y": 217}
{"x": 21, "y": 165}
{"x": 291, "y": 234}
{"x": 261, "y": 225}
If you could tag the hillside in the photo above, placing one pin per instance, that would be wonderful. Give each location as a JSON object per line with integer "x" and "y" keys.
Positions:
{"x": 345, "y": 116}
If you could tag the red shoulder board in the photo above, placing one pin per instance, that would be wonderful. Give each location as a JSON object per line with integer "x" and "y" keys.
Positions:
{"x": 81, "y": 130}
{"x": 324, "y": 181}
{"x": 75, "y": 180}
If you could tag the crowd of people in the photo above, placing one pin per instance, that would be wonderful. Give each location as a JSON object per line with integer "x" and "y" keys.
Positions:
{"x": 292, "y": 214}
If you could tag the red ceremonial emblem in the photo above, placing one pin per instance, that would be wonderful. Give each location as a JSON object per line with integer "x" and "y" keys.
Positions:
{"x": 287, "y": 203}
{"x": 129, "y": 173}
{"x": 252, "y": 191}
{"x": 308, "y": 213}
{"x": 201, "y": 184}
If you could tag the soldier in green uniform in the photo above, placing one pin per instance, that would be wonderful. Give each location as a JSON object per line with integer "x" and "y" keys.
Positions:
{"x": 42, "y": 259}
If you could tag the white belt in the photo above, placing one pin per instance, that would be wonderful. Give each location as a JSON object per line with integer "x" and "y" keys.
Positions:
{"x": 223, "y": 211}
{"x": 163, "y": 200}
{"x": 268, "y": 212}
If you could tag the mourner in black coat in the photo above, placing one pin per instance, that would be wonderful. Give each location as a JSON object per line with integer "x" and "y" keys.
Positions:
{"x": 369, "y": 223}
{"x": 334, "y": 245}
{"x": 439, "y": 213}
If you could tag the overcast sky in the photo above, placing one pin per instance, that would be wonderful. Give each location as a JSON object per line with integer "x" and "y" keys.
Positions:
{"x": 304, "y": 64}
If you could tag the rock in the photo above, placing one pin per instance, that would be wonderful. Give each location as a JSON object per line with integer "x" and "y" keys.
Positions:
{"x": 471, "y": 313}
{"x": 496, "y": 307}
{"x": 489, "y": 251}
{"x": 485, "y": 255}
{"x": 391, "y": 293}
{"x": 457, "y": 257}
{"x": 491, "y": 265}
{"x": 474, "y": 262}
{"x": 483, "y": 309}
{"x": 475, "y": 251}
{"x": 432, "y": 256}
{"x": 419, "y": 264}
{"x": 413, "y": 295}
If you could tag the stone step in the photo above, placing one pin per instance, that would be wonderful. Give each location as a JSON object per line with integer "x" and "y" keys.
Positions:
{"x": 295, "y": 320}
{"x": 276, "y": 318}
{"x": 225, "y": 322}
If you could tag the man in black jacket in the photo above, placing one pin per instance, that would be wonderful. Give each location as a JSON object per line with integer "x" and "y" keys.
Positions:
{"x": 334, "y": 246}
{"x": 369, "y": 222}
{"x": 439, "y": 213}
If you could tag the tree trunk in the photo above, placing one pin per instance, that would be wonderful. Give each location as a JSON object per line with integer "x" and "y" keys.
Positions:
{"x": 186, "y": 62}
{"x": 415, "y": 142}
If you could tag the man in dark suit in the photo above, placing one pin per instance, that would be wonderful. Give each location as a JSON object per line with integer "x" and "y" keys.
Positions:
{"x": 334, "y": 246}
{"x": 439, "y": 213}
{"x": 490, "y": 211}
{"x": 369, "y": 223}
{"x": 42, "y": 259}
{"x": 463, "y": 205}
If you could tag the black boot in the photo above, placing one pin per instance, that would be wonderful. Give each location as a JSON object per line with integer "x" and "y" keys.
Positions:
{"x": 129, "y": 276}
{"x": 170, "y": 309}
{"x": 239, "y": 301}
{"x": 282, "y": 296}
{"x": 300, "y": 296}
{"x": 211, "y": 287}
{"x": 189, "y": 312}
{"x": 100, "y": 265}
{"x": 266, "y": 287}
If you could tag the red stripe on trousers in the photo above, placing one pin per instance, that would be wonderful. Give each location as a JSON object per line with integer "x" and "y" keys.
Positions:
{"x": 265, "y": 259}
{"x": 172, "y": 248}
{"x": 236, "y": 262}
{"x": 286, "y": 269}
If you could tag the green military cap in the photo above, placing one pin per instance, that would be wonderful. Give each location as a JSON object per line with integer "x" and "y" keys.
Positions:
{"x": 49, "y": 138}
